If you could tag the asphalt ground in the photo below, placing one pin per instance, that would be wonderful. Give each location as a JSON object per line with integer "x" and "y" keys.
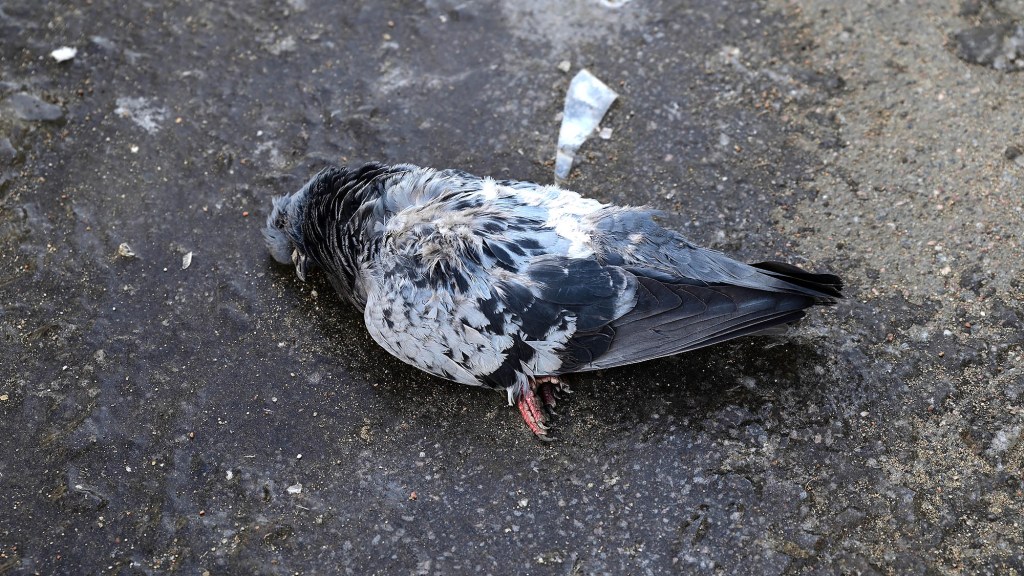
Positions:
{"x": 225, "y": 418}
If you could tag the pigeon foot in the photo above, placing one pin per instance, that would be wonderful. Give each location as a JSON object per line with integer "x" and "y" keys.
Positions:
{"x": 539, "y": 401}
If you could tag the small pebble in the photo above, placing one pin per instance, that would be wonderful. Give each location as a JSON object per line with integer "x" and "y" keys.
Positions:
{"x": 63, "y": 54}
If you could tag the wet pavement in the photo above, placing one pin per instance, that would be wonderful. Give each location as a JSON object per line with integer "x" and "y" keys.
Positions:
{"x": 222, "y": 417}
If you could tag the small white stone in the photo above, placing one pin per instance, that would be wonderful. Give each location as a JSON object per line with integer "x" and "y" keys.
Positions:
{"x": 64, "y": 53}
{"x": 186, "y": 261}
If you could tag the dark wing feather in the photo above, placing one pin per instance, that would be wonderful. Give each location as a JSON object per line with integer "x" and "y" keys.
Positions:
{"x": 558, "y": 299}
{"x": 670, "y": 318}
{"x": 593, "y": 293}
{"x": 828, "y": 285}
{"x": 554, "y": 290}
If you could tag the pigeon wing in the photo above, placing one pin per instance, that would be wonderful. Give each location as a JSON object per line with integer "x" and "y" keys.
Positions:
{"x": 551, "y": 307}
{"x": 670, "y": 318}
{"x": 593, "y": 315}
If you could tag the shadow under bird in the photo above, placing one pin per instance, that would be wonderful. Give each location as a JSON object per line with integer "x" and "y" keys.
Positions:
{"x": 510, "y": 284}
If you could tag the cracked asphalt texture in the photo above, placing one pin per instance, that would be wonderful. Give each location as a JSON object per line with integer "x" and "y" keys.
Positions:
{"x": 226, "y": 418}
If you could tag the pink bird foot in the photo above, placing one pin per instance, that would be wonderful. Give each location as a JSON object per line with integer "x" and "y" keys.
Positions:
{"x": 539, "y": 400}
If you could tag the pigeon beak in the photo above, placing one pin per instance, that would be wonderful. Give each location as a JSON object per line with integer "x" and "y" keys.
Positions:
{"x": 300, "y": 264}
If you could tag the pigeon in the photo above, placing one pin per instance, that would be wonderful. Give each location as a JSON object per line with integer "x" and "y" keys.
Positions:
{"x": 512, "y": 285}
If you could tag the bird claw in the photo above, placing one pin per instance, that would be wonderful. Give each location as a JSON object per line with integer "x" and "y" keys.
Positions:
{"x": 545, "y": 438}
{"x": 538, "y": 401}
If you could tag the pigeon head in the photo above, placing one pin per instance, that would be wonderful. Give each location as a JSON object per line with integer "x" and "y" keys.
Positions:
{"x": 283, "y": 233}
{"x": 287, "y": 229}
{"x": 329, "y": 223}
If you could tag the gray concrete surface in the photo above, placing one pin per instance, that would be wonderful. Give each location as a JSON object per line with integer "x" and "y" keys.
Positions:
{"x": 228, "y": 419}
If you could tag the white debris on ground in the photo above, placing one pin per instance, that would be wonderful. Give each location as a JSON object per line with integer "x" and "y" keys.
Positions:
{"x": 142, "y": 112}
{"x": 586, "y": 102}
{"x": 64, "y": 53}
{"x": 125, "y": 251}
{"x": 186, "y": 261}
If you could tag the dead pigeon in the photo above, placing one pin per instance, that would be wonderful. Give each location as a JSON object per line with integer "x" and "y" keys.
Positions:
{"x": 511, "y": 285}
